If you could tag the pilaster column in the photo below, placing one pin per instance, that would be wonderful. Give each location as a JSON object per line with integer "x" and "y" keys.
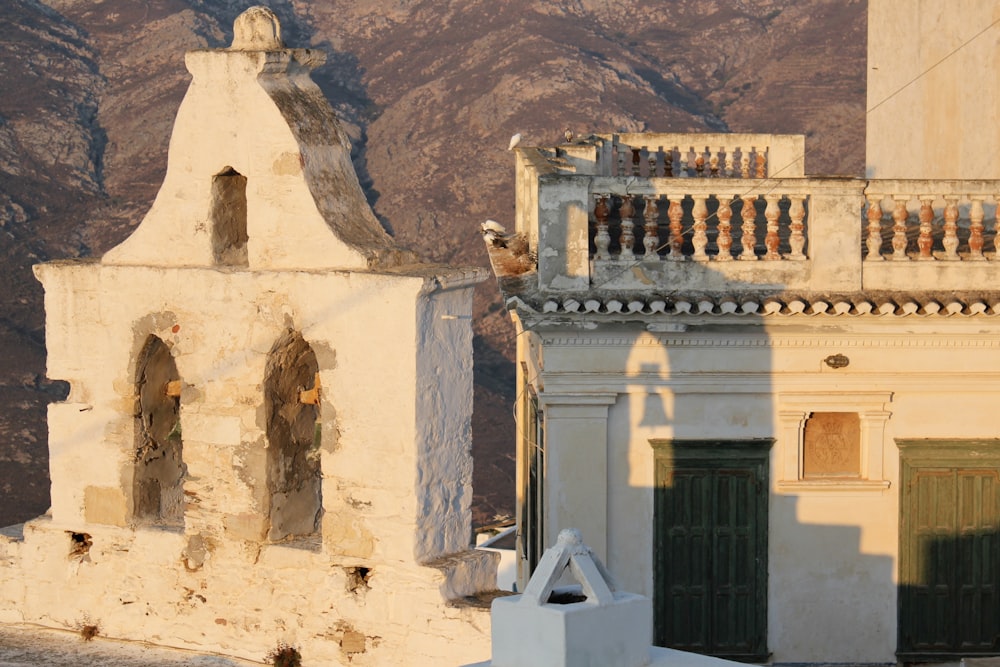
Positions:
{"x": 576, "y": 466}
{"x": 792, "y": 429}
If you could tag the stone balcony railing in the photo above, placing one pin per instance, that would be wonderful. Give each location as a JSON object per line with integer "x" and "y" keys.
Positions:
{"x": 686, "y": 155}
{"x": 621, "y": 215}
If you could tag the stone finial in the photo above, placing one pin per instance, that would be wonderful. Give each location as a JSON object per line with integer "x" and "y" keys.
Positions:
{"x": 257, "y": 29}
{"x": 570, "y": 537}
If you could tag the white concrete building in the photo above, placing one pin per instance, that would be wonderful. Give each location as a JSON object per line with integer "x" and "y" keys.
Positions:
{"x": 764, "y": 398}
{"x": 267, "y": 436}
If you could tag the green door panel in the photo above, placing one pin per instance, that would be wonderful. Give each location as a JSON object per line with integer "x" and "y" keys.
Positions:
{"x": 949, "y": 605}
{"x": 711, "y": 547}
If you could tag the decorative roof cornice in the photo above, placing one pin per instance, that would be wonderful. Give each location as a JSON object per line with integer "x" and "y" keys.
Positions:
{"x": 926, "y": 304}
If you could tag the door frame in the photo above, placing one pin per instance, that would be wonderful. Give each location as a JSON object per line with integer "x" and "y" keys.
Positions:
{"x": 748, "y": 454}
{"x": 914, "y": 453}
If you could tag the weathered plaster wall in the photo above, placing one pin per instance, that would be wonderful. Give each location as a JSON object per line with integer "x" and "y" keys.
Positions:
{"x": 931, "y": 75}
{"x": 395, "y": 460}
{"x": 833, "y": 548}
{"x": 444, "y": 441}
{"x": 244, "y": 601}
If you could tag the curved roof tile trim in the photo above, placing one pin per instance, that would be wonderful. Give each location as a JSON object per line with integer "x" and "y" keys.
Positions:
{"x": 767, "y": 307}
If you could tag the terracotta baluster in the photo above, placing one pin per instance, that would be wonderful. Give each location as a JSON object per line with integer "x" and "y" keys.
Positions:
{"x": 651, "y": 157}
{"x": 699, "y": 166}
{"x": 926, "y": 217}
{"x": 899, "y": 216}
{"x": 745, "y": 166}
{"x": 874, "y": 241}
{"x": 651, "y": 235}
{"x": 668, "y": 162}
{"x": 627, "y": 237}
{"x": 796, "y": 238}
{"x": 700, "y": 238}
{"x": 771, "y": 213}
{"x": 749, "y": 227}
{"x": 725, "y": 239}
{"x": 976, "y": 215}
{"x": 761, "y": 165}
{"x": 602, "y": 239}
{"x": 951, "y": 229}
{"x": 713, "y": 165}
{"x": 636, "y": 160}
{"x": 728, "y": 173}
{"x": 675, "y": 212}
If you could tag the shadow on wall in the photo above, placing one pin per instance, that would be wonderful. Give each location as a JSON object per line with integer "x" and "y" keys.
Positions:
{"x": 739, "y": 566}
{"x": 949, "y": 594}
{"x": 746, "y": 564}
{"x": 952, "y": 609}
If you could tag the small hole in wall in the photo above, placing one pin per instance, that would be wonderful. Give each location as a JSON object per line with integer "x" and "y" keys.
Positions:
{"x": 357, "y": 578}
{"x": 284, "y": 656}
{"x": 79, "y": 544}
{"x": 567, "y": 595}
{"x": 89, "y": 631}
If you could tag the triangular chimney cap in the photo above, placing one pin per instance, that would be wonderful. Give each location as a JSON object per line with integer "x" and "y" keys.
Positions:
{"x": 586, "y": 567}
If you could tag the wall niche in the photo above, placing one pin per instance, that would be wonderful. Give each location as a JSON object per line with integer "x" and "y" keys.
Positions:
{"x": 157, "y": 482}
{"x": 292, "y": 406}
{"x": 229, "y": 218}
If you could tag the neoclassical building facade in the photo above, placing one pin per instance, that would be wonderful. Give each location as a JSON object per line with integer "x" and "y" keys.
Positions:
{"x": 766, "y": 398}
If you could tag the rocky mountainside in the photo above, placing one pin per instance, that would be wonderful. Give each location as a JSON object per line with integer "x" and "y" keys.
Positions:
{"x": 430, "y": 91}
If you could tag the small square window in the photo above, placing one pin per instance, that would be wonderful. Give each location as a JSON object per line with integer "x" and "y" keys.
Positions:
{"x": 832, "y": 446}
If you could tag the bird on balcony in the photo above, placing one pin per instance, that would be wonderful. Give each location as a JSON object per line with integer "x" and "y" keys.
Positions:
{"x": 494, "y": 228}
{"x": 496, "y": 235}
{"x": 510, "y": 253}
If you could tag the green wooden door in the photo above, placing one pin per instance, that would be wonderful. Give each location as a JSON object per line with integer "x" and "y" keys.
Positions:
{"x": 949, "y": 596}
{"x": 711, "y": 548}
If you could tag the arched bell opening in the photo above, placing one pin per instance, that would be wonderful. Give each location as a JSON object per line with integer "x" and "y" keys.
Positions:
{"x": 158, "y": 478}
{"x": 292, "y": 400}
{"x": 229, "y": 218}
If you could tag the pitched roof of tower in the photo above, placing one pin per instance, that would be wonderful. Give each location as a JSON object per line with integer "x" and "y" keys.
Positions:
{"x": 259, "y": 172}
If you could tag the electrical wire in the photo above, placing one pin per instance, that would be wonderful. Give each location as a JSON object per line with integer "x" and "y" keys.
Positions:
{"x": 758, "y": 187}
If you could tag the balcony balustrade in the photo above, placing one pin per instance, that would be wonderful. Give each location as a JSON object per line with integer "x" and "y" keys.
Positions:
{"x": 652, "y": 212}
{"x": 676, "y": 155}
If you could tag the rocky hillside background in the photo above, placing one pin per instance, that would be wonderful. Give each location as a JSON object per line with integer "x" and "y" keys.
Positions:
{"x": 430, "y": 91}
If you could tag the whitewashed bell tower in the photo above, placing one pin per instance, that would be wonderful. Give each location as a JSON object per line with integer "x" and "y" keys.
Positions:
{"x": 267, "y": 437}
